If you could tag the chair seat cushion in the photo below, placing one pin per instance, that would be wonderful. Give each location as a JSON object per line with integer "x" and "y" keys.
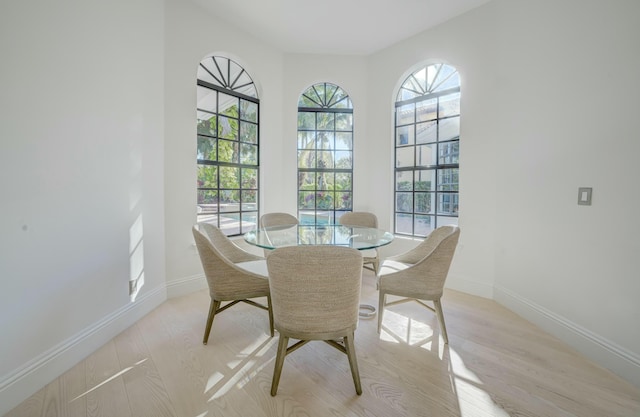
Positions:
{"x": 391, "y": 266}
{"x": 255, "y": 267}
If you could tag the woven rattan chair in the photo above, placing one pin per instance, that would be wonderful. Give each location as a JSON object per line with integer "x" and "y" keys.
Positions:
{"x": 363, "y": 219}
{"x": 315, "y": 292}
{"x": 232, "y": 274}
{"x": 420, "y": 273}
{"x": 277, "y": 219}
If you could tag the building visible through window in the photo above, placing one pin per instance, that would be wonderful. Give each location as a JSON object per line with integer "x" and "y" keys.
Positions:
{"x": 427, "y": 137}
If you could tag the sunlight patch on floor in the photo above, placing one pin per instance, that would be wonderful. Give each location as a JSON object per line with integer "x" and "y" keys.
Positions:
{"x": 460, "y": 370}
{"x": 472, "y": 396}
{"x": 258, "y": 347}
{"x": 473, "y": 399}
{"x": 111, "y": 378}
{"x": 241, "y": 369}
{"x": 233, "y": 379}
{"x": 402, "y": 329}
{"x": 214, "y": 379}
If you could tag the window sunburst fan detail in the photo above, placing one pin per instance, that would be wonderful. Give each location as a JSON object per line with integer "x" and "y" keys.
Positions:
{"x": 325, "y": 96}
{"x": 227, "y": 74}
{"x": 429, "y": 80}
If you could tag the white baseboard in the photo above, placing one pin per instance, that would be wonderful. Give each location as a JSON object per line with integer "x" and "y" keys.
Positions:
{"x": 469, "y": 286}
{"x": 23, "y": 382}
{"x": 604, "y": 352}
{"x": 187, "y": 285}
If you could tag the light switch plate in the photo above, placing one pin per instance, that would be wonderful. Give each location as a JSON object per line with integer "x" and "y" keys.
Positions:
{"x": 584, "y": 196}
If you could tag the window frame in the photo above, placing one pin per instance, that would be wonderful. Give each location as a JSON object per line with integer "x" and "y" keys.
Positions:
{"x": 323, "y": 103}
{"x": 246, "y": 192}
{"x": 433, "y": 199}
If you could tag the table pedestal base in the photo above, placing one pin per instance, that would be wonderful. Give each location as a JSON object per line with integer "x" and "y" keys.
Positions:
{"x": 367, "y": 311}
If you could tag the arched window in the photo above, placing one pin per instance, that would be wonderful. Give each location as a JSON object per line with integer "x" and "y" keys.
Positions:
{"x": 427, "y": 137}
{"x": 228, "y": 112}
{"x": 325, "y": 154}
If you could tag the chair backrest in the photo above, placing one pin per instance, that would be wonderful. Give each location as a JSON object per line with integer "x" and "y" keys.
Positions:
{"x": 430, "y": 243}
{"x": 315, "y": 290}
{"x": 433, "y": 258}
{"x": 224, "y": 245}
{"x": 225, "y": 280}
{"x": 359, "y": 218}
{"x": 277, "y": 219}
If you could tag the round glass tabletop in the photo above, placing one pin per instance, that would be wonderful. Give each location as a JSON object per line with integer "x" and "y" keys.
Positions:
{"x": 309, "y": 234}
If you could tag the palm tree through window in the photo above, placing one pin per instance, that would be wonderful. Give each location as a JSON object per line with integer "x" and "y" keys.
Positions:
{"x": 325, "y": 154}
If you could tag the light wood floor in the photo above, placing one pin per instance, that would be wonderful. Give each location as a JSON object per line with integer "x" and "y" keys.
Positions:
{"x": 496, "y": 364}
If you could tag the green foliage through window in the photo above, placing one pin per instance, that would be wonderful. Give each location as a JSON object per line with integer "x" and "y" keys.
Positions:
{"x": 325, "y": 154}
{"x": 227, "y": 146}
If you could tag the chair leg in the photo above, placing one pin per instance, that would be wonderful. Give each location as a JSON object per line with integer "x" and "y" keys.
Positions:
{"x": 438, "y": 307}
{"x": 213, "y": 307}
{"x": 381, "y": 300}
{"x": 270, "y": 314}
{"x": 283, "y": 341}
{"x": 353, "y": 362}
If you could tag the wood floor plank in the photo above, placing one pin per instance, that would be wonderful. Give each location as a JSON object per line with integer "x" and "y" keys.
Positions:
{"x": 106, "y": 395}
{"x": 70, "y": 389}
{"x": 30, "y": 407}
{"x": 178, "y": 366}
{"x": 145, "y": 388}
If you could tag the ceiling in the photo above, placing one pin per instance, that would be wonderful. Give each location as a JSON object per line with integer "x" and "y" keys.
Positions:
{"x": 345, "y": 27}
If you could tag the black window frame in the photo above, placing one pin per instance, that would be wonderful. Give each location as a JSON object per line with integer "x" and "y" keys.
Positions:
{"x": 334, "y": 101}
{"x": 439, "y": 200}
{"x": 228, "y": 80}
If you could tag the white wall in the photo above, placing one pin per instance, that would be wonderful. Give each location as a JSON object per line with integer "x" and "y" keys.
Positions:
{"x": 570, "y": 108}
{"x": 549, "y": 104}
{"x": 190, "y": 35}
{"x": 81, "y": 160}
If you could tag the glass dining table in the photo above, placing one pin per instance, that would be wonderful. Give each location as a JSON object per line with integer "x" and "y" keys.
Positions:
{"x": 356, "y": 237}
